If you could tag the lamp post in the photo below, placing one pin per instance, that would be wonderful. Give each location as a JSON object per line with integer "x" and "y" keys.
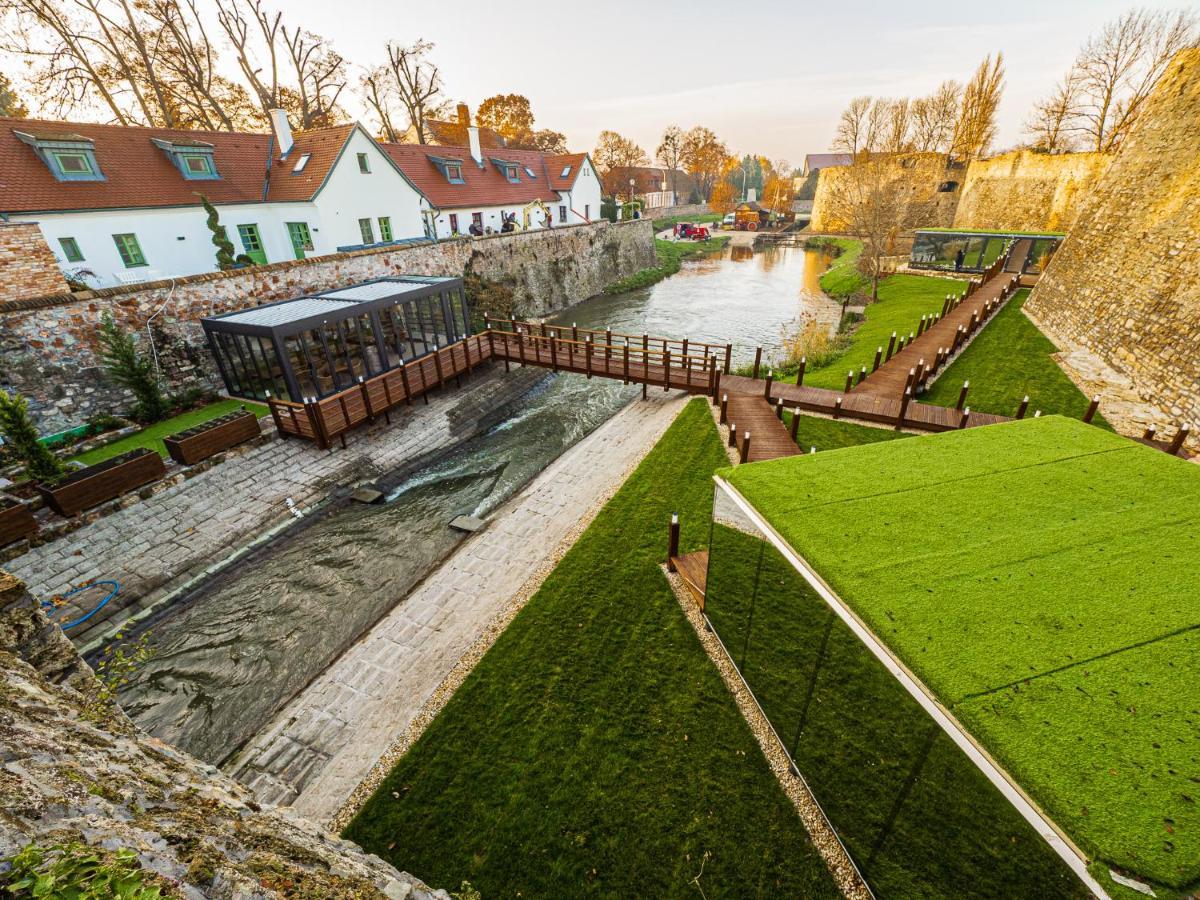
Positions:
{"x": 632, "y": 182}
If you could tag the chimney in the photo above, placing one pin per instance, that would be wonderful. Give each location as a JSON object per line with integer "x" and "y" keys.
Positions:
{"x": 283, "y": 131}
{"x": 464, "y": 115}
{"x": 473, "y": 139}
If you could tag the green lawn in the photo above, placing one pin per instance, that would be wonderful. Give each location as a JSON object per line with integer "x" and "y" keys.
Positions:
{"x": 672, "y": 221}
{"x": 996, "y": 231}
{"x": 903, "y": 299}
{"x": 1039, "y": 577}
{"x": 670, "y": 255}
{"x": 152, "y": 436}
{"x": 842, "y": 278}
{"x": 831, "y": 434}
{"x": 594, "y": 750}
{"x": 1007, "y": 360}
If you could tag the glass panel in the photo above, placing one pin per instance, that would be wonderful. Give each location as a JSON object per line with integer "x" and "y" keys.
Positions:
{"x": 993, "y": 251}
{"x": 130, "y": 250}
{"x": 1039, "y": 256}
{"x": 918, "y": 817}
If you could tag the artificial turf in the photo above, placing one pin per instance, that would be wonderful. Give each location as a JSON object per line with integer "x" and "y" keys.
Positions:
{"x": 1039, "y": 577}
{"x": 594, "y": 750}
{"x": 152, "y": 436}
{"x": 1006, "y": 361}
{"x": 903, "y": 299}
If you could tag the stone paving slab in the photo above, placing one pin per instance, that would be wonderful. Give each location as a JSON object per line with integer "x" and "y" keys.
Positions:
{"x": 323, "y": 744}
{"x": 155, "y": 546}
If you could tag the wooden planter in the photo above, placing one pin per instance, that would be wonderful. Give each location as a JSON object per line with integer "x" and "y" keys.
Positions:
{"x": 16, "y": 521}
{"x": 104, "y": 481}
{"x": 199, "y": 443}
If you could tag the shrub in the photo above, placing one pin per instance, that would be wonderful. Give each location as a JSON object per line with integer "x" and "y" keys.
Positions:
{"x": 21, "y": 439}
{"x": 220, "y": 239}
{"x": 131, "y": 370}
{"x": 77, "y": 871}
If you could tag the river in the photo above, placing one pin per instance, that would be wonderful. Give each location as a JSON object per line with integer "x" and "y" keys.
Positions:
{"x": 230, "y": 655}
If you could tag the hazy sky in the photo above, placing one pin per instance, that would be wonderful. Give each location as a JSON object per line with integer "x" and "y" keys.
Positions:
{"x": 769, "y": 77}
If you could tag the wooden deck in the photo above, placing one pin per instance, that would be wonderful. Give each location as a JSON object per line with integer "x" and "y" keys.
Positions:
{"x": 751, "y": 415}
{"x": 693, "y": 570}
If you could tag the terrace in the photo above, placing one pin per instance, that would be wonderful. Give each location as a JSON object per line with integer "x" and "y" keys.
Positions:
{"x": 979, "y": 650}
{"x": 317, "y": 345}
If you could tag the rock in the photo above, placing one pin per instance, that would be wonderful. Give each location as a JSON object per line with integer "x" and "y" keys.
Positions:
{"x": 469, "y": 524}
{"x": 367, "y": 495}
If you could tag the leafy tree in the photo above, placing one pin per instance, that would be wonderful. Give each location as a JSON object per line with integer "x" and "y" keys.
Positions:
{"x": 721, "y": 201}
{"x": 130, "y": 369}
{"x": 21, "y": 437}
{"x": 670, "y": 152}
{"x": 10, "y": 104}
{"x": 225, "y": 249}
{"x": 614, "y": 157}
{"x": 549, "y": 141}
{"x": 703, "y": 155}
{"x": 510, "y": 116}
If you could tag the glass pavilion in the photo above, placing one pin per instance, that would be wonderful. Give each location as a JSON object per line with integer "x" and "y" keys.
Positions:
{"x": 938, "y": 249}
{"x": 317, "y": 345}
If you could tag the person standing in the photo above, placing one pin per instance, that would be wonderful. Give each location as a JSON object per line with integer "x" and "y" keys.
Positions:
{"x": 958, "y": 260}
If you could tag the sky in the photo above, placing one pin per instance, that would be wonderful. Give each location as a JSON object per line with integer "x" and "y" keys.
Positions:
{"x": 769, "y": 78}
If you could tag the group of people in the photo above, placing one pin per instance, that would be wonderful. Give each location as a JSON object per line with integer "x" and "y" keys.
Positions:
{"x": 477, "y": 228}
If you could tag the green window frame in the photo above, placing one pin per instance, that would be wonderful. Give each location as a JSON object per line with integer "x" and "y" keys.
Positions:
{"x": 300, "y": 237}
{"x": 364, "y": 164}
{"x": 385, "y": 228}
{"x": 367, "y": 231}
{"x": 130, "y": 250}
{"x": 73, "y": 163}
{"x": 197, "y": 165}
{"x": 251, "y": 239}
{"x": 70, "y": 248}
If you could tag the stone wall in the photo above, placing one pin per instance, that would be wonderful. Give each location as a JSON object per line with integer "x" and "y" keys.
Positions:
{"x": 48, "y": 349}
{"x": 917, "y": 174}
{"x": 1126, "y": 282}
{"x": 1027, "y": 191}
{"x": 77, "y": 770}
{"x": 27, "y": 264}
{"x": 692, "y": 209}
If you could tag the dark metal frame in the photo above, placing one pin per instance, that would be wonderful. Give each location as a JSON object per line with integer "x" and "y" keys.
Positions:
{"x": 254, "y": 359}
{"x": 976, "y": 265}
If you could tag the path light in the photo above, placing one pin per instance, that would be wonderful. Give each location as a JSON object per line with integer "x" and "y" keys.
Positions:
{"x": 673, "y": 542}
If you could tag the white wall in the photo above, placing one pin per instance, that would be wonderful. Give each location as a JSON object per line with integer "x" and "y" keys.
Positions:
{"x": 492, "y": 218}
{"x": 174, "y": 242}
{"x": 584, "y": 196}
{"x": 349, "y": 195}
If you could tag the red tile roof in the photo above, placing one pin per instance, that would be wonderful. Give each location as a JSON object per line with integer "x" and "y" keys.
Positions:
{"x": 454, "y": 134}
{"x": 139, "y": 174}
{"x": 487, "y": 186}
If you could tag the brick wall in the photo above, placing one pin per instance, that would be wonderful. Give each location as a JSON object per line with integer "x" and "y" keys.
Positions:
{"x": 47, "y": 344}
{"x": 1126, "y": 282}
{"x": 27, "y": 264}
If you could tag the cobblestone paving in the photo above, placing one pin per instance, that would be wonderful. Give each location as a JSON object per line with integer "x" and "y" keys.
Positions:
{"x": 321, "y": 746}
{"x": 155, "y": 546}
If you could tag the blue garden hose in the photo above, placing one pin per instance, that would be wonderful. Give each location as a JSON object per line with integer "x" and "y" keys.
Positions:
{"x": 51, "y": 609}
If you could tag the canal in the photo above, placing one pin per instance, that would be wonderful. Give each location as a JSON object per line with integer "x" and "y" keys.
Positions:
{"x": 228, "y": 656}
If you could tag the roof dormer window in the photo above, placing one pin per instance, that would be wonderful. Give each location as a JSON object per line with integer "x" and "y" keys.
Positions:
{"x": 193, "y": 159}
{"x": 451, "y": 169}
{"x": 69, "y": 157}
{"x": 454, "y": 173}
{"x": 508, "y": 169}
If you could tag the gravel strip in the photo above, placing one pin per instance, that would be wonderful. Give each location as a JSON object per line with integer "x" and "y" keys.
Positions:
{"x": 466, "y": 663}
{"x": 840, "y": 867}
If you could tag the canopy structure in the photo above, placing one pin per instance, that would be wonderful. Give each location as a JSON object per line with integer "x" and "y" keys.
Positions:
{"x": 980, "y": 650}
{"x": 940, "y": 248}
{"x": 314, "y": 346}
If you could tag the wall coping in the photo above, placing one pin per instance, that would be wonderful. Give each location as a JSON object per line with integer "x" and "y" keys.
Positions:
{"x": 27, "y": 304}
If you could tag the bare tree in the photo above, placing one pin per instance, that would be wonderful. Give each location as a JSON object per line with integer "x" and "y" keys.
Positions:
{"x": 933, "y": 117}
{"x": 378, "y": 90}
{"x": 616, "y": 156}
{"x": 320, "y": 76}
{"x": 254, "y": 34}
{"x": 418, "y": 83}
{"x": 976, "y": 126}
{"x": 1049, "y": 126}
{"x": 868, "y": 200}
{"x": 1118, "y": 68}
{"x": 896, "y": 126}
{"x": 670, "y": 151}
{"x": 852, "y": 126}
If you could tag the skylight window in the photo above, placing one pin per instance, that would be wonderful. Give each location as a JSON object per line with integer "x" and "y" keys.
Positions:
{"x": 565, "y": 172}
{"x": 529, "y": 172}
{"x": 301, "y": 163}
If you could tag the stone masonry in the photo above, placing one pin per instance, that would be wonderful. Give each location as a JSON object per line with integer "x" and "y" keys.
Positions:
{"x": 27, "y": 264}
{"x": 48, "y": 346}
{"x": 323, "y": 744}
{"x": 154, "y": 547}
{"x": 1125, "y": 284}
{"x": 76, "y": 769}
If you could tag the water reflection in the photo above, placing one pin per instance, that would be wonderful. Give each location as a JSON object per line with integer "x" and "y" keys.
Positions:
{"x": 226, "y": 661}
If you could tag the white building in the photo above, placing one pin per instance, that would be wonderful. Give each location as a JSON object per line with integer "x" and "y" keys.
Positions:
{"x": 121, "y": 204}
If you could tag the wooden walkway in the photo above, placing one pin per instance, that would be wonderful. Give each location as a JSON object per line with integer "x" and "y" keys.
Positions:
{"x": 755, "y": 428}
{"x": 693, "y": 570}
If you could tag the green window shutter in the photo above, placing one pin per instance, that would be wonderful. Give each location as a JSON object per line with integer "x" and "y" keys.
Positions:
{"x": 130, "y": 250}
{"x": 385, "y": 228}
{"x": 70, "y": 248}
{"x": 368, "y": 233}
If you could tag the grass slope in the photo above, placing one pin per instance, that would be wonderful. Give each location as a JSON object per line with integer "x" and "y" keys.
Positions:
{"x": 1009, "y": 359}
{"x": 594, "y": 751}
{"x": 831, "y": 434}
{"x": 670, "y": 257}
{"x": 152, "y": 436}
{"x": 903, "y": 299}
{"x": 1020, "y": 570}
{"x": 842, "y": 278}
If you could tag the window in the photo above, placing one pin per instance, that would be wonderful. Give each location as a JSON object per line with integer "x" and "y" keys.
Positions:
{"x": 585, "y": 171}
{"x": 300, "y": 238}
{"x": 454, "y": 173}
{"x": 72, "y": 163}
{"x": 565, "y": 172}
{"x": 69, "y": 157}
{"x": 252, "y": 243}
{"x": 70, "y": 248}
{"x": 301, "y": 163}
{"x": 562, "y": 214}
{"x": 130, "y": 250}
{"x": 364, "y": 165}
{"x": 198, "y": 165}
{"x": 477, "y": 219}
{"x": 385, "y": 228}
{"x": 587, "y": 212}
{"x": 453, "y": 223}
{"x": 193, "y": 159}
{"x": 368, "y": 234}
{"x": 529, "y": 172}
{"x": 510, "y": 172}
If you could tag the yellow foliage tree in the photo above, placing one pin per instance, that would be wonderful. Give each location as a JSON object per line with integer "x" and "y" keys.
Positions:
{"x": 721, "y": 201}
